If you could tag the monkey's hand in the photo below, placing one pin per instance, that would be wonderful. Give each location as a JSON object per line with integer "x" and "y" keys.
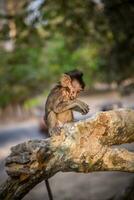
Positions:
{"x": 81, "y": 107}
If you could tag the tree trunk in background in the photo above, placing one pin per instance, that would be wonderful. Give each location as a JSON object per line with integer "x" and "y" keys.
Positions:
{"x": 120, "y": 15}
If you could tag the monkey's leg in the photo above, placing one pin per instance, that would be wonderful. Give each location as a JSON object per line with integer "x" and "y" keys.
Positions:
{"x": 49, "y": 190}
{"x": 51, "y": 122}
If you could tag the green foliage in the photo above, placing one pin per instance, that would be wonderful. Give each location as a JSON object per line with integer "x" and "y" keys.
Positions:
{"x": 58, "y": 36}
{"x": 27, "y": 72}
{"x": 59, "y": 59}
{"x": 20, "y": 74}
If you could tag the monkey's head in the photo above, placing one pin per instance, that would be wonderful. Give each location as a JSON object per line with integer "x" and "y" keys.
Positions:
{"x": 73, "y": 80}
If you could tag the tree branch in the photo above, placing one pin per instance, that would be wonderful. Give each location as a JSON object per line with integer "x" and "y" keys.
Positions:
{"x": 83, "y": 146}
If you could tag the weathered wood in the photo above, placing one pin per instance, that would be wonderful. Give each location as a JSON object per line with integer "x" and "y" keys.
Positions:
{"x": 83, "y": 146}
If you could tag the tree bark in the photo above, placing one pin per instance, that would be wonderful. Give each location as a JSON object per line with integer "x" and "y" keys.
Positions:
{"x": 83, "y": 146}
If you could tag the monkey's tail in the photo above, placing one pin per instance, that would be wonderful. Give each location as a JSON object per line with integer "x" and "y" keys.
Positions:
{"x": 49, "y": 190}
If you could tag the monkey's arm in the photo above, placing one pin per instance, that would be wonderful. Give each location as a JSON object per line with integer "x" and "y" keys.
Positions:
{"x": 76, "y": 105}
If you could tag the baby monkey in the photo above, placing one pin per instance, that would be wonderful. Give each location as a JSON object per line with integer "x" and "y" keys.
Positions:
{"x": 62, "y": 101}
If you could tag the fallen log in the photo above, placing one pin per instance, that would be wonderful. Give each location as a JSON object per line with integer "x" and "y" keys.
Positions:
{"x": 83, "y": 146}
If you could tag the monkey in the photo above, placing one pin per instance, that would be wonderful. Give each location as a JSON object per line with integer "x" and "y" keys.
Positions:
{"x": 60, "y": 104}
{"x": 62, "y": 101}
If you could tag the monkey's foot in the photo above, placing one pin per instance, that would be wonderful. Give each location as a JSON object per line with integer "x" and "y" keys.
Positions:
{"x": 55, "y": 131}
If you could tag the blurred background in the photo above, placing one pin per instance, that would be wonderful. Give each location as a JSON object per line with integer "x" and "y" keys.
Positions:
{"x": 40, "y": 40}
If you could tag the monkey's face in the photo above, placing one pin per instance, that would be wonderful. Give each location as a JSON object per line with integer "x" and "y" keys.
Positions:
{"x": 76, "y": 85}
{"x": 73, "y": 84}
{"x": 77, "y": 88}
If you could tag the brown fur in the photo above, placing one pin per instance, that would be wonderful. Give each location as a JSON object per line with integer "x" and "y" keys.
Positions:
{"x": 61, "y": 102}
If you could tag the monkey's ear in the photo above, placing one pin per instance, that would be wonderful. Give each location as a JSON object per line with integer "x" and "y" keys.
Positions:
{"x": 65, "y": 80}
